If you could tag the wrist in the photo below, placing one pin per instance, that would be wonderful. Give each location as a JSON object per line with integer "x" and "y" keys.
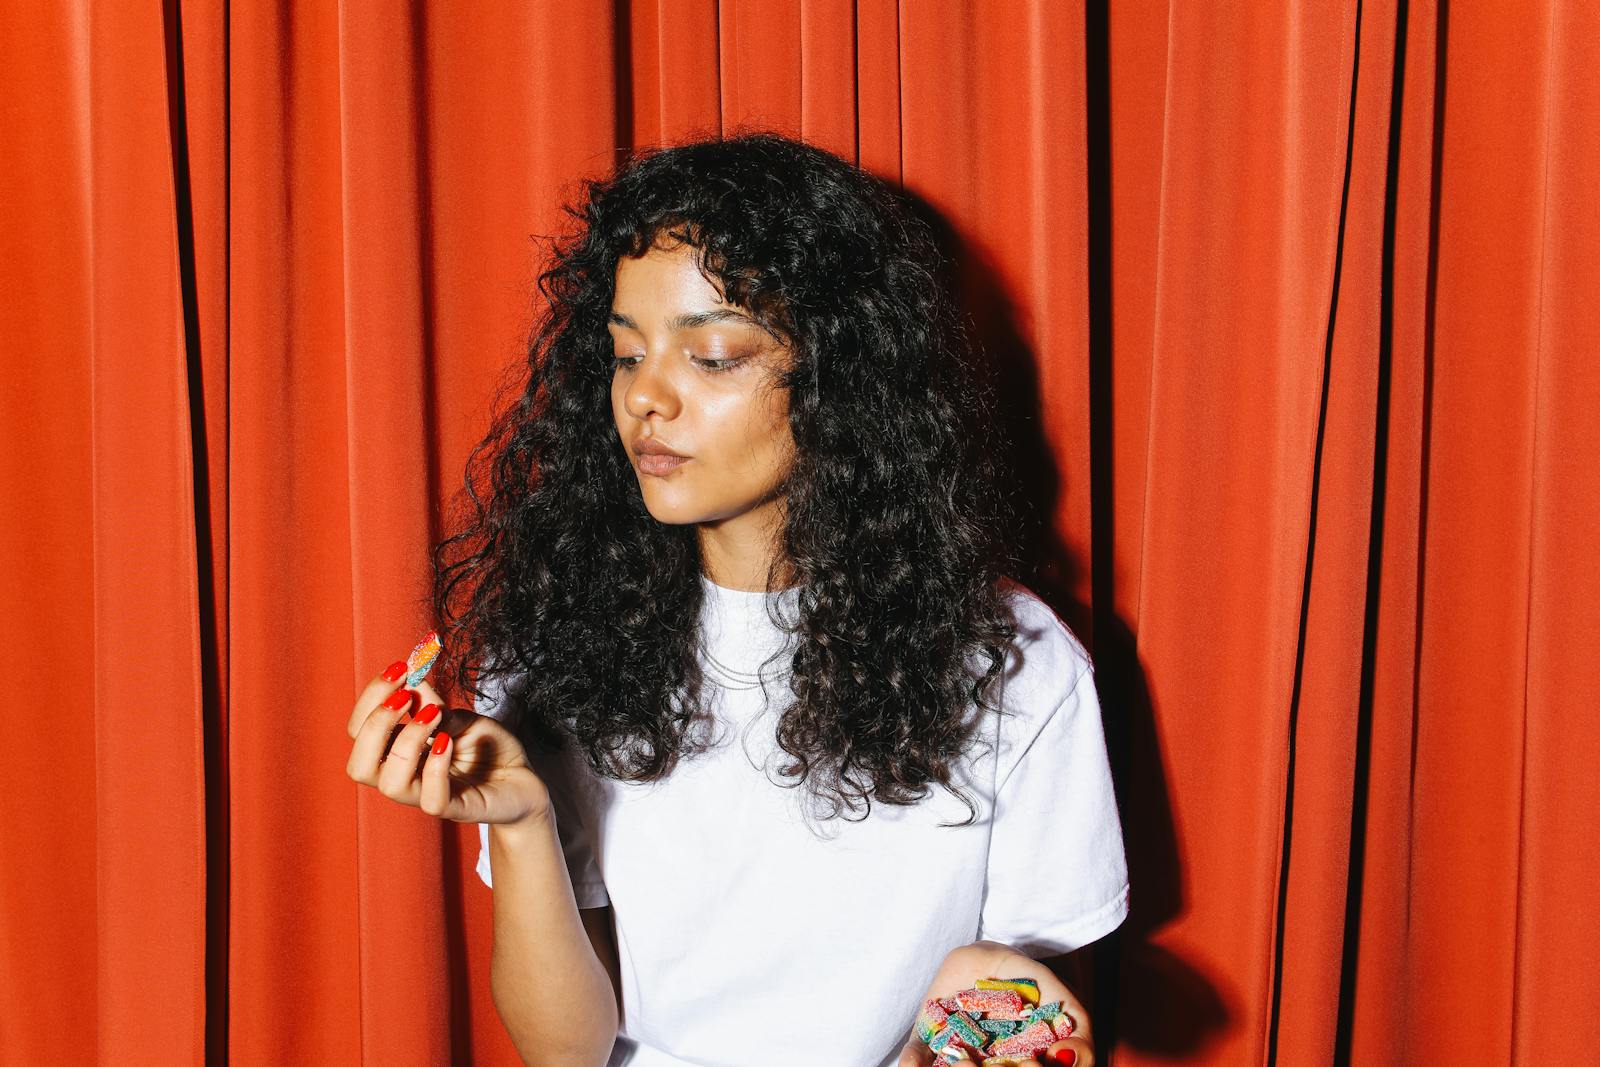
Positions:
{"x": 531, "y": 827}
{"x": 987, "y": 953}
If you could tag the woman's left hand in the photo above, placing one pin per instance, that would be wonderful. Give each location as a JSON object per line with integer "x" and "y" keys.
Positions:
{"x": 989, "y": 959}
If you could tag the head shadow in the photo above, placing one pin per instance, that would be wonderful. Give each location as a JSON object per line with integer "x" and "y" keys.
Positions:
{"x": 1158, "y": 1002}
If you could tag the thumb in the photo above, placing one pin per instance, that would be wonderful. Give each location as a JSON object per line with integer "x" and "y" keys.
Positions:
{"x": 916, "y": 1053}
{"x": 1075, "y": 1051}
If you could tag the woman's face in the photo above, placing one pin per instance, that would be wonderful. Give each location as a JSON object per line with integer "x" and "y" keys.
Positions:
{"x": 695, "y": 374}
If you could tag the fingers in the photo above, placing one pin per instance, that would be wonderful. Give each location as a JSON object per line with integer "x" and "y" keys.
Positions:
{"x": 433, "y": 794}
{"x": 915, "y": 1054}
{"x": 373, "y": 695}
{"x": 375, "y": 729}
{"x": 380, "y": 687}
{"x": 427, "y": 694}
{"x": 398, "y": 772}
{"x": 381, "y": 757}
{"x": 1069, "y": 1050}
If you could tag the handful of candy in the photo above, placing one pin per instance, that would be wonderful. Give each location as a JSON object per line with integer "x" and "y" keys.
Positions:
{"x": 998, "y": 1022}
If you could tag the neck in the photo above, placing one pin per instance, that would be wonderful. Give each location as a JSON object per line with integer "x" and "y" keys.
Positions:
{"x": 737, "y": 553}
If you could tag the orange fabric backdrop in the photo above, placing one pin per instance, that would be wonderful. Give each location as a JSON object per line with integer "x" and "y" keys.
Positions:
{"x": 1294, "y": 311}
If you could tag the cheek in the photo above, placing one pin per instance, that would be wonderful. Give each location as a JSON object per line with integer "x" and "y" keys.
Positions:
{"x": 777, "y": 437}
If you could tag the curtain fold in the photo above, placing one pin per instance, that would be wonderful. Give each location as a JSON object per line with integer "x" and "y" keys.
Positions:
{"x": 1290, "y": 311}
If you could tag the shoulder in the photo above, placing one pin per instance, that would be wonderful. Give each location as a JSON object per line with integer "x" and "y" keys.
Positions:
{"x": 1046, "y": 658}
{"x": 1048, "y": 697}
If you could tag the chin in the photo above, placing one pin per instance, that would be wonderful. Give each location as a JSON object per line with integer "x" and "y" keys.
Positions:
{"x": 673, "y": 512}
{"x": 673, "y": 517}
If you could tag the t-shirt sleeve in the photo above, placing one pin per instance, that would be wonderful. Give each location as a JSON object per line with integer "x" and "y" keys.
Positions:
{"x": 1057, "y": 877}
{"x": 559, "y": 773}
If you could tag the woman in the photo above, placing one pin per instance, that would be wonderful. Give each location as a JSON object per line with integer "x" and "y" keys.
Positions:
{"x": 767, "y": 749}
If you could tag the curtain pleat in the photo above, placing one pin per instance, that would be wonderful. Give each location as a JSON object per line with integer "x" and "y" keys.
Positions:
{"x": 1289, "y": 310}
{"x": 1557, "y": 926}
{"x": 148, "y": 785}
{"x": 49, "y": 947}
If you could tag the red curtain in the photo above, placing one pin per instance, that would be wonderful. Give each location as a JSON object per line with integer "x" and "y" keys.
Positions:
{"x": 1294, "y": 306}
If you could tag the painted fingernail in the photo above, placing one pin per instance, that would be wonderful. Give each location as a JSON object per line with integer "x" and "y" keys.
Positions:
{"x": 1064, "y": 1055}
{"x": 440, "y": 742}
{"x": 398, "y": 699}
{"x": 428, "y": 714}
{"x": 393, "y": 672}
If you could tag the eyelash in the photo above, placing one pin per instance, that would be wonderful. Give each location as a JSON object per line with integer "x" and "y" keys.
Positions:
{"x": 712, "y": 366}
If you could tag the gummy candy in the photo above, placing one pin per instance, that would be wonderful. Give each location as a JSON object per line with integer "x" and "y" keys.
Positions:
{"x": 1000, "y": 1027}
{"x": 946, "y": 1038}
{"x": 420, "y": 662}
{"x": 1036, "y": 1037}
{"x": 966, "y": 1028}
{"x": 998, "y": 1022}
{"x": 989, "y": 1001}
{"x": 1059, "y": 1021}
{"x": 930, "y": 1020}
{"x": 1026, "y": 988}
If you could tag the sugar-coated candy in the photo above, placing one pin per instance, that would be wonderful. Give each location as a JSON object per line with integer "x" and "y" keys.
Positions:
{"x": 1024, "y": 1013}
{"x": 1062, "y": 1023}
{"x": 967, "y": 1030}
{"x": 1036, "y": 1037}
{"x": 946, "y": 1038}
{"x": 1026, "y": 988}
{"x": 931, "y": 1019}
{"x": 989, "y": 1001}
{"x": 420, "y": 662}
{"x": 999, "y": 1027}
{"x": 1006, "y": 1005}
{"x": 999, "y": 1022}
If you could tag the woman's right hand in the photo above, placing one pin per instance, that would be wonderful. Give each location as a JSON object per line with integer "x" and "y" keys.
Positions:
{"x": 480, "y": 775}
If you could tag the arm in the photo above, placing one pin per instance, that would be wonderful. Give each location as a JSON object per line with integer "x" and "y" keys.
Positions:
{"x": 554, "y": 994}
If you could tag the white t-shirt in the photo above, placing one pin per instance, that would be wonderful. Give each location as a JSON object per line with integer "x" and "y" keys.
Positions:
{"x": 737, "y": 916}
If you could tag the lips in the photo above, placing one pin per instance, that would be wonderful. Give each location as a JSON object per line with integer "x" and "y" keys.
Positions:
{"x": 660, "y": 462}
{"x": 649, "y": 446}
{"x": 657, "y": 458}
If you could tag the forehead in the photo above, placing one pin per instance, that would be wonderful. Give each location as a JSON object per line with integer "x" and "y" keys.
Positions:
{"x": 665, "y": 286}
{"x": 665, "y": 269}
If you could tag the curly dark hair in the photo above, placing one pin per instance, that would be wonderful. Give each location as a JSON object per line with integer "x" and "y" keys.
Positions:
{"x": 563, "y": 584}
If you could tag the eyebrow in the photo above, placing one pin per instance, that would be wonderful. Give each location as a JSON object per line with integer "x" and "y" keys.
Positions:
{"x": 689, "y": 320}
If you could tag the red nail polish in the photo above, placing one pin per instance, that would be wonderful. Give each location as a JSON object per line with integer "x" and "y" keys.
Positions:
{"x": 393, "y": 672}
{"x": 428, "y": 714}
{"x": 398, "y": 699}
{"x": 1064, "y": 1055}
{"x": 440, "y": 742}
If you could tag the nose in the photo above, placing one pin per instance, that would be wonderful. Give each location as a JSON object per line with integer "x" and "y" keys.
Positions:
{"x": 649, "y": 390}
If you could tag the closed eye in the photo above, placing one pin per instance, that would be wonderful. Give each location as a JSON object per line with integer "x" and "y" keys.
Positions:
{"x": 713, "y": 366}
